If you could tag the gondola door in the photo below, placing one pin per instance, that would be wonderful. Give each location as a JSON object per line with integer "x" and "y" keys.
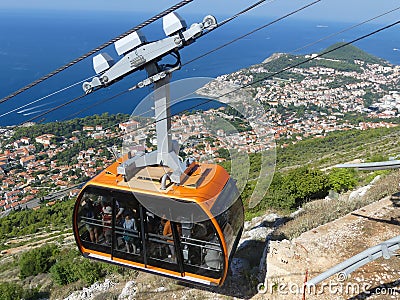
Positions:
{"x": 127, "y": 227}
{"x": 161, "y": 244}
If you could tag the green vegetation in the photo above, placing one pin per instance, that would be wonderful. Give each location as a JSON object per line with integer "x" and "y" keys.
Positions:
{"x": 71, "y": 267}
{"x": 37, "y": 261}
{"x": 66, "y": 157}
{"x": 369, "y": 98}
{"x": 284, "y": 61}
{"x": 290, "y": 190}
{"x": 341, "y": 66}
{"x": 65, "y": 128}
{"x": 340, "y": 146}
{"x": 230, "y": 126}
{"x": 297, "y": 182}
{"x": 26, "y": 222}
{"x": 65, "y": 266}
{"x": 349, "y": 53}
{"x": 340, "y": 81}
{"x": 298, "y": 179}
{"x": 15, "y": 291}
{"x": 342, "y": 180}
{"x": 323, "y": 211}
{"x": 341, "y": 60}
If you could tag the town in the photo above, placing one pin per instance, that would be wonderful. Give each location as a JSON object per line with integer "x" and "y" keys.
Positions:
{"x": 305, "y": 102}
{"x": 314, "y": 100}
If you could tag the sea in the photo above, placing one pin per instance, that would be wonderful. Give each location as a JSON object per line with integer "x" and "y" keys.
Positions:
{"x": 35, "y": 43}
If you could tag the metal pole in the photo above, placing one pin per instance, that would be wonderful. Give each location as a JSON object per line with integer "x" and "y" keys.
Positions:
{"x": 162, "y": 113}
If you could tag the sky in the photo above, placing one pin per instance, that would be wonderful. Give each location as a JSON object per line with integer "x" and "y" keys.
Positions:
{"x": 339, "y": 10}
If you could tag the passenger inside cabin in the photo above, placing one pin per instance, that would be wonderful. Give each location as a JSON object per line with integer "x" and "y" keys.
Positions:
{"x": 129, "y": 225}
{"x": 119, "y": 217}
{"x": 167, "y": 232}
{"x": 107, "y": 222}
{"x": 90, "y": 213}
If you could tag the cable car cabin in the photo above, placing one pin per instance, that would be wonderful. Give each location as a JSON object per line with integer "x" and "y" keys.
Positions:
{"x": 188, "y": 231}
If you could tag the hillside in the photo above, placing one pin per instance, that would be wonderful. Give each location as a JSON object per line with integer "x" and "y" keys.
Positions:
{"x": 319, "y": 114}
{"x": 350, "y": 53}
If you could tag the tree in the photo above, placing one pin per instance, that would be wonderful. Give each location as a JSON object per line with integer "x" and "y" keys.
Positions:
{"x": 71, "y": 267}
{"x": 63, "y": 272}
{"x": 305, "y": 184}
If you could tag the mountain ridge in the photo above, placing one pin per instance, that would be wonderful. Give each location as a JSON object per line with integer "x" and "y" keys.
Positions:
{"x": 345, "y": 52}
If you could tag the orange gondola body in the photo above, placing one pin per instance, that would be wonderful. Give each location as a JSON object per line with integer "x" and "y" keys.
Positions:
{"x": 187, "y": 231}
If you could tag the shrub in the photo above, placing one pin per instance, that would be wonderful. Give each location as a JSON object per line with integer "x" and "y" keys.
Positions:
{"x": 71, "y": 267}
{"x": 37, "y": 261}
{"x": 63, "y": 272}
{"x": 342, "y": 180}
{"x": 11, "y": 291}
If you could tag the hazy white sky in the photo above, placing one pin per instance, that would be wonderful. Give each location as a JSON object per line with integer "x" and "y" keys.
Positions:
{"x": 340, "y": 10}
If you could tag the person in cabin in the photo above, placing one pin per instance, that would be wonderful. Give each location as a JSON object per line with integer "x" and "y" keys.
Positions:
{"x": 107, "y": 223}
{"x": 129, "y": 225}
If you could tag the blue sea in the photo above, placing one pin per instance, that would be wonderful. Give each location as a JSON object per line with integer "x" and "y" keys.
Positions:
{"x": 34, "y": 43}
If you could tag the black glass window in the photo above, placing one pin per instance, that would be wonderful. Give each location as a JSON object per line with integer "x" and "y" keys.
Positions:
{"x": 127, "y": 234}
{"x": 94, "y": 221}
{"x": 229, "y": 214}
{"x": 201, "y": 249}
{"x": 108, "y": 221}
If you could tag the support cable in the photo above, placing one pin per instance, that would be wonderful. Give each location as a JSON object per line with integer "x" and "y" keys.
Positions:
{"x": 344, "y": 30}
{"x": 236, "y": 39}
{"x": 47, "y": 96}
{"x": 257, "y": 4}
{"x": 287, "y": 68}
{"x": 218, "y": 48}
{"x": 207, "y": 53}
{"x": 66, "y": 66}
{"x": 314, "y": 57}
{"x": 252, "y": 83}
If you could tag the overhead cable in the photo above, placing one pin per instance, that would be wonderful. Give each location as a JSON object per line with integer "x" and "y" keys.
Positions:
{"x": 110, "y": 42}
{"x": 291, "y": 66}
{"x": 216, "y": 49}
{"x": 344, "y": 30}
{"x": 281, "y": 71}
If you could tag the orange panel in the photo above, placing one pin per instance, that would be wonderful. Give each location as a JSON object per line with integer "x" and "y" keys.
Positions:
{"x": 212, "y": 185}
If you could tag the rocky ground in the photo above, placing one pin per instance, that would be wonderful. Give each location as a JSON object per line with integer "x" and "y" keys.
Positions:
{"x": 291, "y": 263}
